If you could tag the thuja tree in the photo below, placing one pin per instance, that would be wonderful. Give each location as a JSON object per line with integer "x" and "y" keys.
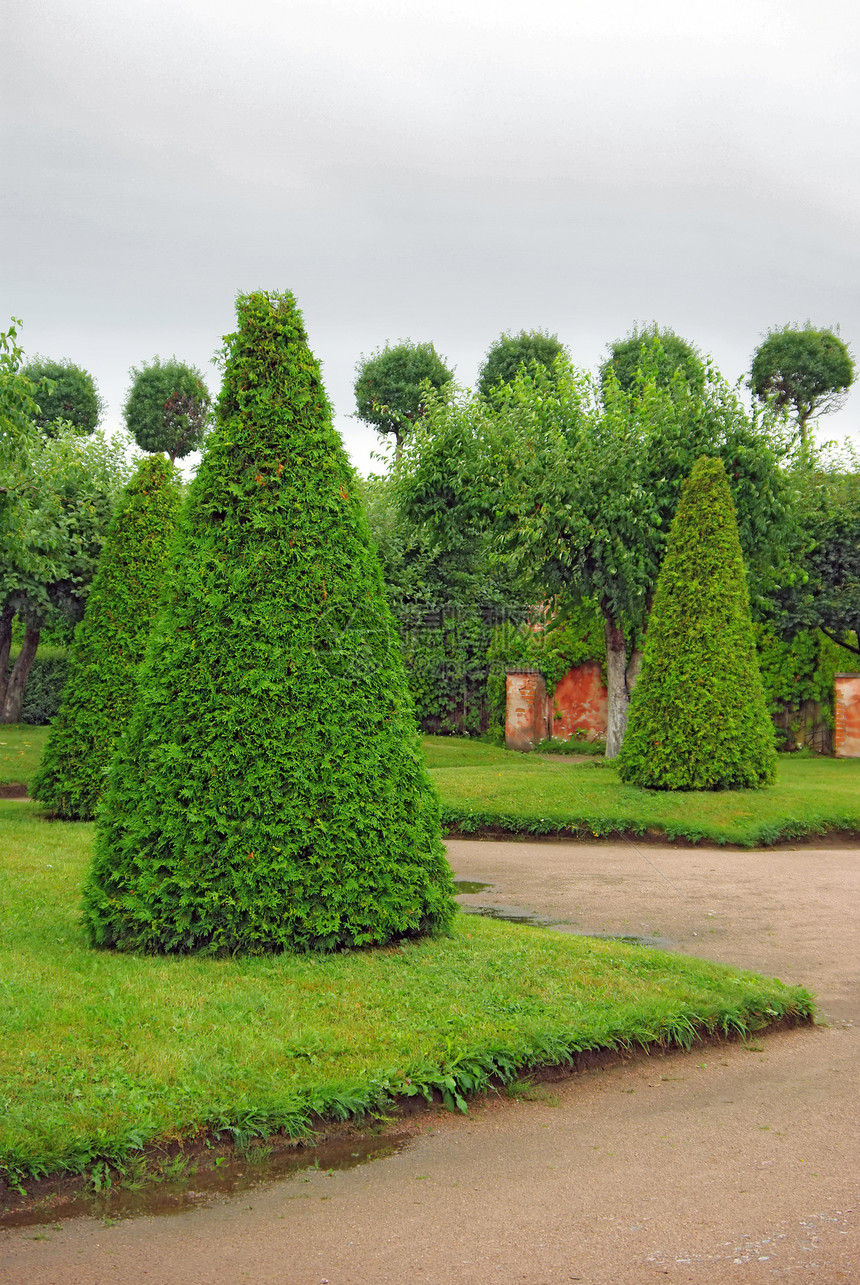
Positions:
{"x": 270, "y": 791}
{"x": 109, "y": 644}
{"x": 698, "y": 718}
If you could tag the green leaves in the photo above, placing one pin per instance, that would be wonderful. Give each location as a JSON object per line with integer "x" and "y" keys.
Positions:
{"x": 18, "y": 406}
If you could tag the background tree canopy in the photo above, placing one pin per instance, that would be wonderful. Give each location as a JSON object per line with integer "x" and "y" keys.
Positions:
{"x": 826, "y": 595}
{"x": 18, "y": 407}
{"x": 66, "y": 393}
{"x": 167, "y": 408}
{"x": 578, "y": 490}
{"x": 806, "y": 372}
{"x": 512, "y": 352}
{"x": 62, "y": 495}
{"x": 390, "y": 386}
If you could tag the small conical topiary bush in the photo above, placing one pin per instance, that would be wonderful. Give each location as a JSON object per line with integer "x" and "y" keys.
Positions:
{"x": 270, "y": 791}
{"x": 109, "y": 643}
{"x": 698, "y": 718}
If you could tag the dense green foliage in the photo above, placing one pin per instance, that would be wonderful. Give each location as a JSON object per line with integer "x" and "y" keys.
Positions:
{"x": 62, "y": 491}
{"x": 447, "y": 600}
{"x": 110, "y": 643}
{"x": 511, "y": 353}
{"x": 391, "y": 385}
{"x": 270, "y": 792}
{"x": 650, "y": 352}
{"x": 46, "y": 683}
{"x": 66, "y": 393}
{"x": 18, "y": 406}
{"x": 167, "y": 407}
{"x": 698, "y": 719}
{"x": 807, "y": 372}
{"x": 827, "y": 595}
{"x": 797, "y": 674}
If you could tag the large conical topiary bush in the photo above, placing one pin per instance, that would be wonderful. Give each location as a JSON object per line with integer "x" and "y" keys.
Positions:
{"x": 698, "y": 718}
{"x": 270, "y": 792}
{"x": 109, "y": 643}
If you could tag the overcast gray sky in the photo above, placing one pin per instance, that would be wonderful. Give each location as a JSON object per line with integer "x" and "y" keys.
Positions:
{"x": 430, "y": 171}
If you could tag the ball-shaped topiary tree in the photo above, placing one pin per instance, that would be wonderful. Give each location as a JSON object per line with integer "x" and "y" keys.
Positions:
{"x": 270, "y": 792}
{"x": 805, "y": 371}
{"x": 390, "y": 386}
{"x": 66, "y": 392}
{"x": 109, "y": 644}
{"x": 698, "y": 718}
{"x": 167, "y": 407}
{"x": 511, "y": 353}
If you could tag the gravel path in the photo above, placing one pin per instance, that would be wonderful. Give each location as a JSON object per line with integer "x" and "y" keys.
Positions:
{"x": 728, "y": 1164}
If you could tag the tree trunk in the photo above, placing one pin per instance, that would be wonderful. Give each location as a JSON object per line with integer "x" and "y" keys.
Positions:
{"x": 634, "y": 665}
{"x": 616, "y": 682}
{"x": 7, "y": 617}
{"x": 14, "y": 701}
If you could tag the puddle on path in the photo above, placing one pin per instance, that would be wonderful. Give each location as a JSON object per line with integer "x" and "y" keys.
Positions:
{"x": 513, "y": 915}
{"x": 523, "y": 915}
{"x": 469, "y": 886}
{"x": 231, "y": 1175}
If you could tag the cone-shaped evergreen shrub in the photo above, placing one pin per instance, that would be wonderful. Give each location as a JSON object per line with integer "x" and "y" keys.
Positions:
{"x": 270, "y": 791}
{"x": 698, "y": 718}
{"x": 110, "y": 642}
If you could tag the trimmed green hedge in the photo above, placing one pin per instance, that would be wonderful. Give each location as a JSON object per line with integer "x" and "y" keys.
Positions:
{"x": 270, "y": 792}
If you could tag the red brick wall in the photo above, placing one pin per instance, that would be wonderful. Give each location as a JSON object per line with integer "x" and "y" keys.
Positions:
{"x": 847, "y": 737}
{"x": 525, "y": 709}
{"x": 581, "y": 702}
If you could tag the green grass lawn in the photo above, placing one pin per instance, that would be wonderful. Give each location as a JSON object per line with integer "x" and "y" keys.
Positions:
{"x": 21, "y": 747}
{"x": 102, "y": 1053}
{"x": 485, "y": 787}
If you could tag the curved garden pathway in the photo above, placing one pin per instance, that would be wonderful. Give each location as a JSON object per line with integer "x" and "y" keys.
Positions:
{"x": 733, "y": 1162}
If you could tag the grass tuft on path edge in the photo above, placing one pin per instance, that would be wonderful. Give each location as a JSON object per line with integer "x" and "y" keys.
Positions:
{"x": 103, "y": 1054}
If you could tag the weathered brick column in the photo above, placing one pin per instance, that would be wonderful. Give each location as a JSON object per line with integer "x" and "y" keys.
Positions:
{"x": 846, "y": 742}
{"x": 525, "y": 708}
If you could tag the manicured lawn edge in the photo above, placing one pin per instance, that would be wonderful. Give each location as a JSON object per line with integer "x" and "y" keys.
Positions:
{"x": 466, "y": 824}
{"x": 453, "y": 1083}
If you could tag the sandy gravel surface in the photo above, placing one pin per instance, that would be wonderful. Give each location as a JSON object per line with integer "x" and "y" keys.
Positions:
{"x": 728, "y": 1164}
